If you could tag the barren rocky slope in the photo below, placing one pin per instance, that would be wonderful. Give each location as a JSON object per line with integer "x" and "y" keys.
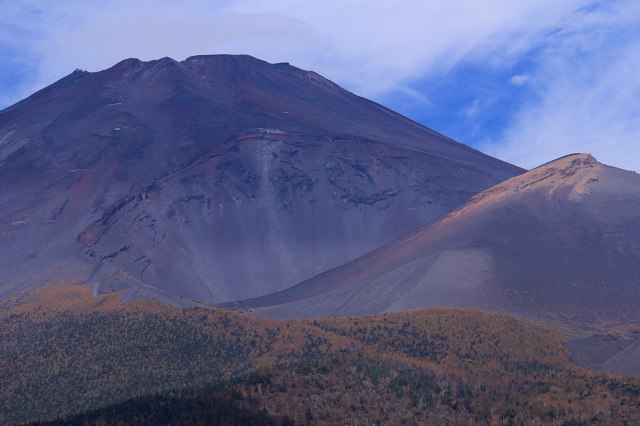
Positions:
{"x": 559, "y": 243}
{"x": 215, "y": 178}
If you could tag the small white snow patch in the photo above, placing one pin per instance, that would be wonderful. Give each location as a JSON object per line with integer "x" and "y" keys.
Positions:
{"x": 269, "y": 131}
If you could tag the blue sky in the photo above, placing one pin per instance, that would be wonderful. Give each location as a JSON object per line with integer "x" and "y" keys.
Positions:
{"x": 526, "y": 81}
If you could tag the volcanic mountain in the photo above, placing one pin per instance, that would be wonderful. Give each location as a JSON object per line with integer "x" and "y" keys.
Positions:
{"x": 216, "y": 178}
{"x": 559, "y": 243}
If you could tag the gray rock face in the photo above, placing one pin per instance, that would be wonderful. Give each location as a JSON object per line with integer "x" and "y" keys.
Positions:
{"x": 215, "y": 179}
{"x": 560, "y": 243}
{"x": 627, "y": 361}
{"x": 610, "y": 352}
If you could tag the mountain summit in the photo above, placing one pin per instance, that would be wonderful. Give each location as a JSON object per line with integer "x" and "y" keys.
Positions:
{"x": 215, "y": 178}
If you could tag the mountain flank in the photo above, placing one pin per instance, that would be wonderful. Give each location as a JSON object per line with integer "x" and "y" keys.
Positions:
{"x": 560, "y": 243}
{"x": 213, "y": 179}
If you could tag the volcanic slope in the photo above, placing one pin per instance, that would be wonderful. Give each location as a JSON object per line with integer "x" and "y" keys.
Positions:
{"x": 216, "y": 178}
{"x": 560, "y": 243}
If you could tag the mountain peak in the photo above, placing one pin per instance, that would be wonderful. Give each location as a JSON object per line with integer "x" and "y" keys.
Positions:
{"x": 571, "y": 161}
{"x": 223, "y": 57}
{"x": 217, "y": 157}
{"x": 574, "y": 171}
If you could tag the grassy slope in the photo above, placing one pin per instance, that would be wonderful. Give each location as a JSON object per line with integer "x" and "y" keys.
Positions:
{"x": 83, "y": 352}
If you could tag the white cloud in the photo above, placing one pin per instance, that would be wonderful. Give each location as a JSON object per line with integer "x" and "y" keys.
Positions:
{"x": 587, "y": 98}
{"x": 519, "y": 80}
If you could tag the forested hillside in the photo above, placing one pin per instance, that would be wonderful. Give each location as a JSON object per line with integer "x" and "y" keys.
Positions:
{"x": 65, "y": 352}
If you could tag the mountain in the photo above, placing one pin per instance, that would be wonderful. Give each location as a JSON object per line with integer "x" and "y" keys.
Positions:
{"x": 213, "y": 179}
{"x": 560, "y": 243}
{"x": 94, "y": 360}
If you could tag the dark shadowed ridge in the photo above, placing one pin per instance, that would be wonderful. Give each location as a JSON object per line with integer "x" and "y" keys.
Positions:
{"x": 214, "y": 179}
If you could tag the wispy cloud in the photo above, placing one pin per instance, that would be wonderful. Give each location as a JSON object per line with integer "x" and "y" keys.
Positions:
{"x": 519, "y": 79}
{"x": 574, "y": 59}
{"x": 587, "y": 89}
{"x": 370, "y": 46}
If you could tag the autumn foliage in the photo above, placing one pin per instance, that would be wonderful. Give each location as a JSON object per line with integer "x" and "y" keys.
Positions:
{"x": 64, "y": 352}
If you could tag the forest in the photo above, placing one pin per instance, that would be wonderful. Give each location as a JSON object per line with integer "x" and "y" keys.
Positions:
{"x": 70, "y": 358}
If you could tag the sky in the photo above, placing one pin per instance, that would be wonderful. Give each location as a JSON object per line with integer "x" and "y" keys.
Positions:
{"x": 525, "y": 81}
